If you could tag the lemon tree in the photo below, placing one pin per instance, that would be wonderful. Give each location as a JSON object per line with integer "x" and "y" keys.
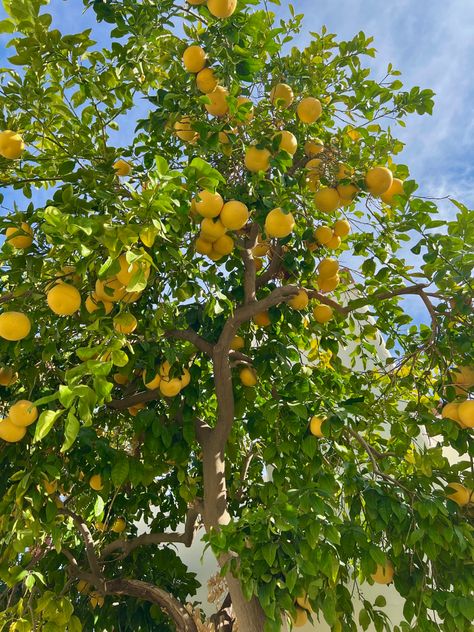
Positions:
{"x": 212, "y": 272}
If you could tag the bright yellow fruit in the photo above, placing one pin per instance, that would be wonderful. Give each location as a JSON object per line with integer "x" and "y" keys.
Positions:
{"x": 64, "y": 299}
{"x": 279, "y": 224}
{"x": 224, "y": 245}
{"x": 257, "y": 159}
{"x": 303, "y": 602}
{"x": 7, "y": 376}
{"x": 170, "y": 387}
{"x": 344, "y": 171}
{"x": 323, "y": 313}
{"x": 209, "y": 204}
{"x": 347, "y": 192}
{"x": 328, "y": 284}
{"x": 14, "y": 325}
{"x": 92, "y": 305}
{"x": 396, "y": 188}
{"x": 300, "y": 301}
{"x": 314, "y": 164}
{"x": 10, "y": 432}
{"x": 342, "y": 228}
{"x": 153, "y": 383}
{"x": 125, "y": 323}
{"x": 122, "y": 168}
{"x": 301, "y": 618}
{"x": 234, "y": 215}
{"x": 23, "y": 413}
{"x": 133, "y": 410}
{"x": 184, "y": 131}
{"x": 218, "y": 105}
{"x": 327, "y": 200}
{"x": 194, "y": 58}
{"x": 248, "y": 376}
{"x": 206, "y": 81}
{"x": 185, "y": 378}
{"x": 118, "y": 526}
{"x": 50, "y": 487}
{"x": 328, "y": 268}
{"x": 315, "y": 426}
{"x": 461, "y": 496}
{"x": 288, "y": 141}
{"x": 313, "y": 147}
{"x": 282, "y": 95}
{"x": 237, "y": 343}
{"x": 110, "y": 290}
{"x": 323, "y": 234}
{"x": 450, "y": 411}
{"x": 95, "y": 482}
{"x": 249, "y": 114}
{"x": 212, "y": 230}
{"x": 262, "y": 319}
{"x": 121, "y": 378}
{"x": 131, "y": 297}
{"x": 309, "y": 110}
{"x": 261, "y": 249}
{"x": 221, "y": 8}
{"x": 129, "y": 270}
{"x": 383, "y": 574}
{"x": 19, "y": 237}
{"x": 202, "y": 246}
{"x": 466, "y": 413}
{"x": 334, "y": 243}
{"x": 378, "y": 180}
{"x": 11, "y": 144}
{"x": 464, "y": 376}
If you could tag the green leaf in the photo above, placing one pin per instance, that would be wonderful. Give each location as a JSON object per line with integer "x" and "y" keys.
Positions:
{"x": 46, "y": 421}
{"x": 364, "y": 619}
{"x": 120, "y": 471}
{"x": 99, "y": 506}
{"x": 71, "y": 430}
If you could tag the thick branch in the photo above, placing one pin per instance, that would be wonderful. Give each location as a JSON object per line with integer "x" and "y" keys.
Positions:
{"x": 137, "y": 398}
{"x": 381, "y": 296}
{"x": 190, "y": 336}
{"x": 249, "y": 265}
{"x": 322, "y": 298}
{"x": 146, "y": 539}
{"x": 143, "y": 590}
{"x": 273, "y": 268}
{"x": 88, "y": 543}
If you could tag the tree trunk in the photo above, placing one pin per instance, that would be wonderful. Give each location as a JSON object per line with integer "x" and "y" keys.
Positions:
{"x": 249, "y": 614}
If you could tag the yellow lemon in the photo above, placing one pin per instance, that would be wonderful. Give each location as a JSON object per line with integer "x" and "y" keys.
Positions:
{"x": 237, "y": 343}
{"x": 7, "y": 376}
{"x": 257, "y": 159}
{"x": 309, "y": 110}
{"x": 383, "y": 574}
{"x": 184, "y": 131}
{"x": 218, "y": 105}
{"x": 11, "y": 433}
{"x": 224, "y": 245}
{"x": 323, "y": 313}
{"x": 119, "y": 525}
{"x": 125, "y": 323}
{"x": 19, "y": 237}
{"x": 342, "y": 228}
{"x": 378, "y": 180}
{"x": 92, "y": 305}
{"x": 248, "y": 376}
{"x": 327, "y": 200}
{"x": 315, "y": 426}
{"x": 300, "y": 301}
{"x": 202, "y": 246}
{"x": 262, "y": 319}
{"x": 209, "y": 204}
{"x": 221, "y": 8}
{"x": 466, "y": 413}
{"x": 122, "y": 168}
{"x": 313, "y": 147}
{"x": 64, "y": 299}
{"x": 129, "y": 270}
{"x": 14, "y": 325}
{"x": 282, "y": 95}
{"x": 110, "y": 290}
{"x": 23, "y": 413}
{"x": 249, "y": 114}
{"x": 328, "y": 284}
{"x": 396, "y": 188}
{"x": 328, "y": 268}
{"x": 194, "y": 59}
{"x": 212, "y": 230}
{"x": 323, "y": 234}
{"x": 287, "y": 141}
{"x": 95, "y": 482}
{"x": 234, "y": 215}
{"x": 334, "y": 243}
{"x": 170, "y": 387}
{"x": 206, "y": 80}
{"x": 279, "y": 224}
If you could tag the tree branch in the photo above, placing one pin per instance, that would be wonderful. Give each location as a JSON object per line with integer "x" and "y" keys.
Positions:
{"x": 146, "y": 539}
{"x": 249, "y": 264}
{"x": 190, "y": 336}
{"x": 88, "y": 543}
{"x": 273, "y": 268}
{"x": 137, "y": 398}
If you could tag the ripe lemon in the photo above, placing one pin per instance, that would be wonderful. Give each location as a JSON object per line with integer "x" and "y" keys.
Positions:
{"x": 303, "y": 602}
{"x": 218, "y": 105}
{"x": 133, "y": 410}
{"x": 14, "y": 325}
{"x": 461, "y": 495}
{"x": 7, "y": 376}
{"x": 279, "y": 224}
{"x": 194, "y": 59}
{"x": 154, "y": 382}
{"x": 261, "y": 249}
{"x": 281, "y": 95}
{"x": 313, "y": 147}
{"x": 347, "y": 192}
{"x": 327, "y": 200}
{"x": 170, "y": 387}
{"x": 249, "y": 113}
{"x": 334, "y": 243}
{"x": 234, "y": 215}
{"x": 328, "y": 284}
{"x": 212, "y": 230}
{"x": 300, "y": 301}
{"x": 125, "y": 323}
{"x": 122, "y": 168}
{"x": 184, "y": 131}
{"x": 378, "y": 180}
{"x": 288, "y": 141}
{"x": 11, "y": 144}
{"x": 121, "y": 378}
{"x": 10, "y": 432}
{"x": 92, "y": 305}
{"x": 383, "y": 574}
{"x": 301, "y": 618}
{"x": 396, "y": 188}
{"x": 466, "y": 413}
{"x": 257, "y": 159}
{"x": 237, "y": 343}
{"x": 119, "y": 525}
{"x": 262, "y": 319}
{"x": 342, "y": 228}
{"x": 323, "y": 234}
{"x": 224, "y": 245}
{"x": 328, "y": 268}
{"x": 221, "y": 8}
{"x": 23, "y": 413}
{"x": 248, "y": 376}
{"x": 110, "y": 290}
{"x": 315, "y": 426}
{"x": 464, "y": 376}
{"x": 322, "y": 313}
{"x": 214, "y": 256}
{"x": 202, "y": 246}
{"x": 185, "y": 378}
{"x": 64, "y": 299}
{"x": 129, "y": 270}
{"x": 450, "y": 411}
{"x": 309, "y": 110}
{"x": 50, "y": 487}
{"x": 19, "y": 237}
{"x": 209, "y": 204}
{"x": 131, "y": 297}
{"x": 95, "y": 482}
{"x": 206, "y": 81}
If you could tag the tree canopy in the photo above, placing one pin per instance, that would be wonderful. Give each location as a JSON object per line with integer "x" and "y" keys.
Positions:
{"x": 211, "y": 278}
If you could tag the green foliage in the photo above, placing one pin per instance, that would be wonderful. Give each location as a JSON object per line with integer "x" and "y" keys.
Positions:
{"x": 372, "y": 489}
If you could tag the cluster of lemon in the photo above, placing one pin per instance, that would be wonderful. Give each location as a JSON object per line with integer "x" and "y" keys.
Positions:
{"x": 169, "y": 386}
{"x": 462, "y": 411}
{"x": 331, "y": 237}
{"x": 218, "y": 217}
{"x": 20, "y": 416}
